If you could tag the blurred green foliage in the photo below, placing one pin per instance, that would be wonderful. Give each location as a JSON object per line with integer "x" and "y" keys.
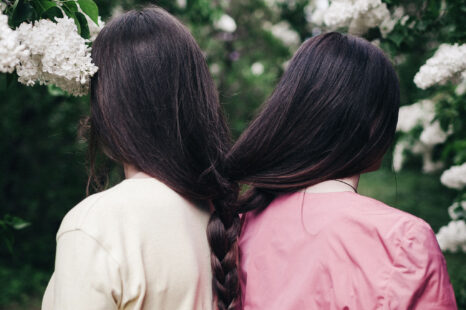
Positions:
{"x": 43, "y": 160}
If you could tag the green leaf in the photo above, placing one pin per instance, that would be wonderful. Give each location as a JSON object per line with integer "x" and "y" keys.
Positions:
{"x": 52, "y": 13}
{"x": 55, "y": 91}
{"x": 397, "y": 38}
{"x": 22, "y": 13}
{"x": 21, "y": 225}
{"x": 90, "y": 9}
{"x": 13, "y": 222}
{"x": 43, "y": 5}
{"x": 433, "y": 8}
{"x": 84, "y": 26}
{"x": 421, "y": 25}
{"x": 71, "y": 6}
{"x": 15, "y": 5}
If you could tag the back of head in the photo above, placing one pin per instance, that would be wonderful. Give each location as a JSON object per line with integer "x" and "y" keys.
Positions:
{"x": 154, "y": 106}
{"x": 332, "y": 115}
{"x": 153, "y": 101}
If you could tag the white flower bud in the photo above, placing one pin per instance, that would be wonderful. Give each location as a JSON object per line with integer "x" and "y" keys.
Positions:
{"x": 257, "y": 68}
{"x": 226, "y": 23}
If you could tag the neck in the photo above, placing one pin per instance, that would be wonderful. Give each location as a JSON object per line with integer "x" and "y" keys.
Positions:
{"x": 331, "y": 186}
{"x": 131, "y": 172}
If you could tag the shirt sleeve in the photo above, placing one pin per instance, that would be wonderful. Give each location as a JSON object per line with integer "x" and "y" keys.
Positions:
{"x": 419, "y": 279}
{"x": 85, "y": 276}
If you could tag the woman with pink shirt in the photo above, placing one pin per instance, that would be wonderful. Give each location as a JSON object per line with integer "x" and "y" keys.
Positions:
{"x": 309, "y": 240}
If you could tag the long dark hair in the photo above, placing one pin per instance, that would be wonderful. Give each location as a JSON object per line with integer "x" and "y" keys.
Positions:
{"x": 154, "y": 105}
{"x": 332, "y": 115}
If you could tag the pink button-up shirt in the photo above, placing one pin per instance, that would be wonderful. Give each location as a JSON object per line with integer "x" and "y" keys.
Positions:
{"x": 340, "y": 251}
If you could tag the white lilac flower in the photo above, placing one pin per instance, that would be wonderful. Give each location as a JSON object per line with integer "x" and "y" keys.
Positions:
{"x": 433, "y": 134}
{"x": 457, "y": 209}
{"x": 339, "y": 14}
{"x": 181, "y": 3}
{"x": 358, "y": 15}
{"x": 315, "y": 11}
{"x": 365, "y": 6}
{"x": 374, "y": 16}
{"x": 389, "y": 21}
{"x": 225, "y": 23}
{"x": 461, "y": 88}
{"x": 376, "y": 42}
{"x": 274, "y": 4}
{"x": 419, "y": 113}
{"x": 454, "y": 177}
{"x": 284, "y": 33}
{"x": 447, "y": 62}
{"x": 117, "y": 11}
{"x": 10, "y": 48}
{"x": 94, "y": 28}
{"x": 215, "y": 68}
{"x": 428, "y": 165}
{"x": 286, "y": 64}
{"x": 398, "y": 155}
{"x": 422, "y": 113}
{"x": 453, "y": 236}
{"x": 58, "y": 55}
{"x": 257, "y": 68}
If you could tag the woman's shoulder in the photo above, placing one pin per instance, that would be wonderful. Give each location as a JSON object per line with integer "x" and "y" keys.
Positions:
{"x": 128, "y": 201}
{"x": 389, "y": 223}
{"x": 374, "y": 212}
{"x": 337, "y": 213}
{"x": 344, "y": 206}
{"x": 397, "y": 231}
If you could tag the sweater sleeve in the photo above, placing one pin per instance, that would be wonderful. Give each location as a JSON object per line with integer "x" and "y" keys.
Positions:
{"x": 85, "y": 276}
{"x": 419, "y": 279}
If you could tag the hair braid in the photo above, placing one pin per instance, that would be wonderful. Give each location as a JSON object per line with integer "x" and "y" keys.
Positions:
{"x": 256, "y": 199}
{"x": 222, "y": 233}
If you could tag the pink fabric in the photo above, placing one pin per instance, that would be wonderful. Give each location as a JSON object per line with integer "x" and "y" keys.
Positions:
{"x": 340, "y": 251}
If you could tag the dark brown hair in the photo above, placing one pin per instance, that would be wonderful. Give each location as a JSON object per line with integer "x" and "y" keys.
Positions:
{"x": 154, "y": 105}
{"x": 332, "y": 115}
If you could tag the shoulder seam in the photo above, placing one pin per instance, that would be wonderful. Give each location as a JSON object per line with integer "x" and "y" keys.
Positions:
{"x": 101, "y": 195}
{"x": 395, "y": 259}
{"x": 78, "y": 225}
{"x": 95, "y": 240}
{"x": 418, "y": 224}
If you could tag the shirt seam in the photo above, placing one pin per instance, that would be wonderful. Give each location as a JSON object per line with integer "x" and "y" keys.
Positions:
{"x": 95, "y": 240}
{"x": 118, "y": 264}
{"x": 416, "y": 225}
{"x": 101, "y": 195}
{"x": 395, "y": 259}
{"x": 80, "y": 222}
